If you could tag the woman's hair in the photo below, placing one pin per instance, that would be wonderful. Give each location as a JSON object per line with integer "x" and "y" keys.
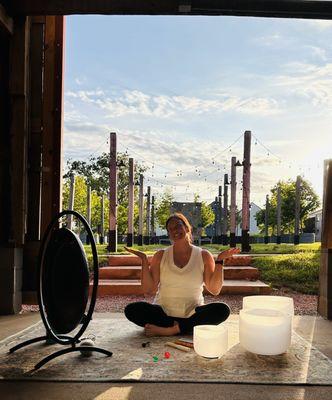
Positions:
{"x": 185, "y": 221}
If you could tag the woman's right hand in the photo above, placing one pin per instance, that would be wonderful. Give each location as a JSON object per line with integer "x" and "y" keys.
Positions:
{"x": 138, "y": 253}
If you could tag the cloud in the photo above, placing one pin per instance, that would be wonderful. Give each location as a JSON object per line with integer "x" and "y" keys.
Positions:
{"x": 136, "y": 102}
{"x": 309, "y": 81}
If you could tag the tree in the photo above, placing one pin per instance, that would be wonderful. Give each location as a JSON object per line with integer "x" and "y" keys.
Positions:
{"x": 163, "y": 207}
{"x": 309, "y": 201}
{"x": 207, "y": 215}
{"x": 95, "y": 172}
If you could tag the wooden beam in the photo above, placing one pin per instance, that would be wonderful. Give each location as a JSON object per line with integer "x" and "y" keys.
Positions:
{"x": 52, "y": 119}
{"x": 273, "y": 8}
{"x": 6, "y": 22}
{"x": 35, "y": 127}
{"x": 325, "y": 273}
{"x": 18, "y": 87}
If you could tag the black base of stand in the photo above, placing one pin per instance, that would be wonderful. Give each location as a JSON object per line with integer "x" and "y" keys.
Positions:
{"x": 35, "y": 340}
{"x": 71, "y": 350}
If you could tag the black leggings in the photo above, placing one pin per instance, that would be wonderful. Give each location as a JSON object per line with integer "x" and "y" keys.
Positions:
{"x": 141, "y": 313}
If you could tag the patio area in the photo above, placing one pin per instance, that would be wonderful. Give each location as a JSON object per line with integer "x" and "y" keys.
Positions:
{"x": 314, "y": 331}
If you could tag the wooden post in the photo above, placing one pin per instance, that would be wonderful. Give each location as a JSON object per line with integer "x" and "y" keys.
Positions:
{"x": 71, "y": 201}
{"x": 297, "y": 210}
{"x": 216, "y": 220}
{"x": 267, "y": 212}
{"x": 233, "y": 204}
{"x": 153, "y": 228}
{"x": 52, "y": 138}
{"x": 141, "y": 210}
{"x": 325, "y": 273}
{"x": 220, "y": 215}
{"x": 35, "y": 138}
{"x": 279, "y": 215}
{"x": 130, "y": 234}
{"x": 148, "y": 220}
{"x": 246, "y": 192}
{"x": 225, "y": 211}
{"x": 13, "y": 175}
{"x": 102, "y": 219}
{"x": 113, "y": 199}
{"x": 88, "y": 210}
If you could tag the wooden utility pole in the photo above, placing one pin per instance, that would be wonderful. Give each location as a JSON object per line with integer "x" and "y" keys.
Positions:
{"x": 141, "y": 210}
{"x": 113, "y": 199}
{"x": 102, "y": 225}
{"x": 246, "y": 192}
{"x": 71, "y": 201}
{"x": 267, "y": 212}
{"x": 216, "y": 219}
{"x": 225, "y": 211}
{"x": 232, "y": 235}
{"x": 297, "y": 210}
{"x": 220, "y": 212}
{"x": 153, "y": 231}
{"x": 325, "y": 273}
{"x": 279, "y": 215}
{"x": 130, "y": 234}
{"x": 148, "y": 218}
{"x": 88, "y": 210}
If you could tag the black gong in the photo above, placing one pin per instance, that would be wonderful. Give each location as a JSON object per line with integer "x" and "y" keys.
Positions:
{"x": 65, "y": 281}
{"x": 63, "y": 287}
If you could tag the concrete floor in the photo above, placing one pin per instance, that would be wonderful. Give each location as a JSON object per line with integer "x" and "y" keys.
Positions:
{"x": 314, "y": 329}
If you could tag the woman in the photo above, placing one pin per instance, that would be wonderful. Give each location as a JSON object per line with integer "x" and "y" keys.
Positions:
{"x": 177, "y": 274}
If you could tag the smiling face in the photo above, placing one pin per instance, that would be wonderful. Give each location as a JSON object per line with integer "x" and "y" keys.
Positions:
{"x": 176, "y": 229}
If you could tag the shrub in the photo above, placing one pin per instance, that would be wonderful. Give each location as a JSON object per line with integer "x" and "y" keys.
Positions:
{"x": 299, "y": 272}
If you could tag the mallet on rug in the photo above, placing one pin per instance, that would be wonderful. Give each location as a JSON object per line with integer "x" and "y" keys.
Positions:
{"x": 177, "y": 346}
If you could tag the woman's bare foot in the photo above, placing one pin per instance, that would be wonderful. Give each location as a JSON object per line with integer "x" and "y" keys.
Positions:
{"x": 154, "y": 330}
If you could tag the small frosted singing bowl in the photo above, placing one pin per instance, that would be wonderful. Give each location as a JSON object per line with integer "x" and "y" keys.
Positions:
{"x": 210, "y": 341}
{"x": 280, "y": 303}
{"x": 265, "y": 331}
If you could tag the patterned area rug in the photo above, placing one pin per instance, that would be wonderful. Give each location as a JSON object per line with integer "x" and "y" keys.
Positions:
{"x": 302, "y": 364}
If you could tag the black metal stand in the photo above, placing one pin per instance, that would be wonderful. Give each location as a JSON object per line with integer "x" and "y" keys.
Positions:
{"x": 35, "y": 340}
{"x": 52, "y": 337}
{"x": 71, "y": 350}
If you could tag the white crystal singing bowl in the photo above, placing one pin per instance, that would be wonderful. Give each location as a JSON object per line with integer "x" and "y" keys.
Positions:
{"x": 265, "y": 331}
{"x": 280, "y": 303}
{"x": 210, "y": 340}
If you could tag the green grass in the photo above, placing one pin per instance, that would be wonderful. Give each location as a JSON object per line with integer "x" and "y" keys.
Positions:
{"x": 299, "y": 272}
{"x": 271, "y": 248}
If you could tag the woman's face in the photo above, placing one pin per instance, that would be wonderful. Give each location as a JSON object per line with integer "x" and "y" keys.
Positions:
{"x": 176, "y": 229}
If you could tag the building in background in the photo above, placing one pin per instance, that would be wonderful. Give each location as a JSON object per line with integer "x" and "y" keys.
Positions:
{"x": 193, "y": 212}
{"x": 313, "y": 224}
{"x": 253, "y": 227}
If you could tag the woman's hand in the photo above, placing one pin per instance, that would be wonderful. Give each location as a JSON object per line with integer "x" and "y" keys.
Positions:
{"x": 138, "y": 253}
{"x": 228, "y": 253}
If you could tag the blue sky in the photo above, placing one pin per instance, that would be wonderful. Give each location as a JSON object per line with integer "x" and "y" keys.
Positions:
{"x": 179, "y": 90}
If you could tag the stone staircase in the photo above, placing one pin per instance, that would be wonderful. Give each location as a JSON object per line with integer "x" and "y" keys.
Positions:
{"x": 122, "y": 277}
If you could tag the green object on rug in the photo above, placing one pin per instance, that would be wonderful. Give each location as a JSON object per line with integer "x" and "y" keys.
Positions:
{"x": 302, "y": 364}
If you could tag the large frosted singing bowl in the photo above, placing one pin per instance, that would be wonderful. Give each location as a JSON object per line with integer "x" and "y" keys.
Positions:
{"x": 210, "y": 340}
{"x": 280, "y": 303}
{"x": 265, "y": 331}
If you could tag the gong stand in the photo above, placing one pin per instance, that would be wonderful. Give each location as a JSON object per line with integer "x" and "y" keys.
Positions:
{"x": 63, "y": 288}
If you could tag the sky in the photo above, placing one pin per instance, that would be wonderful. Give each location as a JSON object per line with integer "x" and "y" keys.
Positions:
{"x": 181, "y": 91}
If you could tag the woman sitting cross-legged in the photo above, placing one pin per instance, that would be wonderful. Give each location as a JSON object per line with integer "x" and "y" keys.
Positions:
{"x": 178, "y": 274}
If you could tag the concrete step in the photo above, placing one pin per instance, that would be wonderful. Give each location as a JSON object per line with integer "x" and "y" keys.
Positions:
{"x": 125, "y": 260}
{"x": 245, "y": 287}
{"x": 133, "y": 287}
{"x": 238, "y": 260}
{"x": 130, "y": 260}
{"x": 134, "y": 272}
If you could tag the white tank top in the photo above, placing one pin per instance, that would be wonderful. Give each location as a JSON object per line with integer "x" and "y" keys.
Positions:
{"x": 181, "y": 289}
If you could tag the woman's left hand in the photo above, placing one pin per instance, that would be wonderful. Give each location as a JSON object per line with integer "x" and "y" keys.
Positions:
{"x": 228, "y": 253}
